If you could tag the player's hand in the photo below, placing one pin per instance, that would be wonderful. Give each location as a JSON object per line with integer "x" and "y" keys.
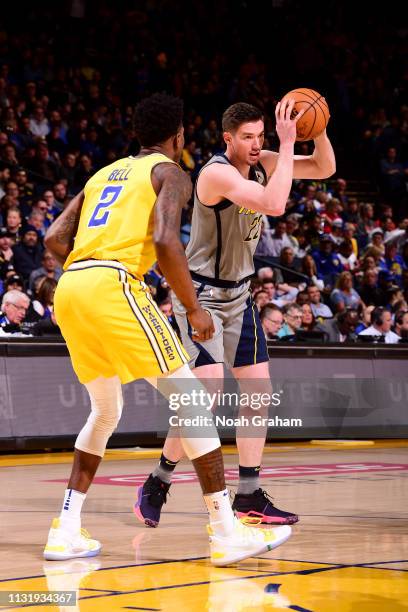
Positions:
{"x": 285, "y": 125}
{"x": 202, "y": 324}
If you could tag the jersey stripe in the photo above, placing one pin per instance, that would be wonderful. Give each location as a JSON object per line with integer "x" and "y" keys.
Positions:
{"x": 219, "y": 243}
{"x": 169, "y": 328}
{"x": 255, "y": 331}
{"x": 143, "y": 322}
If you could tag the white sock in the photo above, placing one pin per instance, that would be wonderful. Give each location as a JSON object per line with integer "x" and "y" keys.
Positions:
{"x": 70, "y": 517}
{"x": 220, "y": 511}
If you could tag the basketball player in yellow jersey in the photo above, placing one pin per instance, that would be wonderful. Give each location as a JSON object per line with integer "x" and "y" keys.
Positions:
{"x": 109, "y": 235}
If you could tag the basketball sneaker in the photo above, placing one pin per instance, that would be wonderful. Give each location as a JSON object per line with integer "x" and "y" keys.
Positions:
{"x": 244, "y": 542}
{"x": 63, "y": 545}
{"x": 258, "y": 505}
{"x": 150, "y": 499}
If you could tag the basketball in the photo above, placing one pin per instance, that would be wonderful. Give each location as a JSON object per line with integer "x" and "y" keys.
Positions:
{"x": 316, "y": 116}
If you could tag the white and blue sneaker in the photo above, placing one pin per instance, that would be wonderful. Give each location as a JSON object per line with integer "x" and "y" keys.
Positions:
{"x": 245, "y": 542}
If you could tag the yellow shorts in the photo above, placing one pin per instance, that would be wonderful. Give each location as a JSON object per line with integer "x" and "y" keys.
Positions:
{"x": 112, "y": 326}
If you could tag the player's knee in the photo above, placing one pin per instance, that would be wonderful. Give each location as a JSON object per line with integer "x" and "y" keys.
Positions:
{"x": 106, "y": 412}
{"x": 106, "y": 404}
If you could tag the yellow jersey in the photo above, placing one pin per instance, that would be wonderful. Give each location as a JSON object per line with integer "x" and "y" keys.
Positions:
{"x": 116, "y": 220}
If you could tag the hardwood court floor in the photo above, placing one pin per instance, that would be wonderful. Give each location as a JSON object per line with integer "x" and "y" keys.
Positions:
{"x": 349, "y": 552}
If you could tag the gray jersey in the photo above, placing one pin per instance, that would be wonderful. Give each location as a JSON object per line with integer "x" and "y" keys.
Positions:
{"x": 224, "y": 237}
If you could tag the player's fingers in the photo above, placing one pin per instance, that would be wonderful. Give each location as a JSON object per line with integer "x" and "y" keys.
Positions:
{"x": 299, "y": 115}
{"x": 277, "y": 108}
{"x": 282, "y": 110}
{"x": 211, "y": 329}
{"x": 289, "y": 109}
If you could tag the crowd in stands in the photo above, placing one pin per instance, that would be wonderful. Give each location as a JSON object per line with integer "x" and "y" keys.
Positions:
{"x": 335, "y": 264}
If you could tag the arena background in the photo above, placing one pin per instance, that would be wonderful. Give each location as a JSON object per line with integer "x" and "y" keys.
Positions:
{"x": 84, "y": 65}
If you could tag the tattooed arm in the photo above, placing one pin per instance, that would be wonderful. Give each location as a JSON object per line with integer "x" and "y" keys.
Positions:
{"x": 173, "y": 189}
{"x": 60, "y": 235}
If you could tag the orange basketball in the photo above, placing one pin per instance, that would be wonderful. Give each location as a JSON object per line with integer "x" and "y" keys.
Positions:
{"x": 316, "y": 115}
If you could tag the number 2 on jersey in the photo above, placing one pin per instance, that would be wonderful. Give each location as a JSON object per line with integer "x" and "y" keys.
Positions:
{"x": 108, "y": 197}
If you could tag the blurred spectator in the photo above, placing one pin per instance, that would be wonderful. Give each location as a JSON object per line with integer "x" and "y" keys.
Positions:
{"x": 4, "y": 178}
{"x": 381, "y": 322}
{"x": 344, "y": 295}
{"x": 302, "y": 298}
{"x": 167, "y": 309}
{"x": 394, "y": 262}
{"x": 336, "y": 232}
{"x": 53, "y": 207}
{"x": 348, "y": 234}
{"x": 68, "y": 172}
{"x": 212, "y": 137}
{"x": 341, "y": 328}
{"x": 14, "y": 306}
{"x": 43, "y": 303}
{"x": 328, "y": 263}
{"x": 394, "y": 297}
{"x": 369, "y": 291}
{"x": 367, "y": 223}
{"x": 265, "y": 273}
{"x": 261, "y": 298}
{"x": 265, "y": 245}
{"x": 339, "y": 191}
{"x": 60, "y": 195}
{"x": 14, "y": 223}
{"x": 292, "y": 226}
{"x": 308, "y": 267}
{"x": 347, "y": 256}
{"x": 28, "y": 253}
{"x": 44, "y": 166}
{"x": 331, "y": 215}
{"x": 279, "y": 293}
{"x": 351, "y": 213}
{"x": 279, "y": 240}
{"x": 290, "y": 272}
{"x": 386, "y": 282}
{"x": 292, "y": 314}
{"x": 401, "y": 323}
{"x": 365, "y": 320}
{"x": 308, "y": 319}
{"x": 25, "y": 189}
{"x": 49, "y": 269}
{"x": 37, "y": 220}
{"x": 319, "y": 309}
{"x": 39, "y": 123}
{"x": 376, "y": 240}
{"x": 271, "y": 320}
{"x": 314, "y": 232}
{"x": 14, "y": 281}
{"x": 308, "y": 203}
{"x": 6, "y": 253}
{"x": 41, "y": 207}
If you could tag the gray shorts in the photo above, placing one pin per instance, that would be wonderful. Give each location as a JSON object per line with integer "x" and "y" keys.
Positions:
{"x": 238, "y": 340}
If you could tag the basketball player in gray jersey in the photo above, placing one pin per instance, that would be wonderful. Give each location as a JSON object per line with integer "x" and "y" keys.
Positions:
{"x": 232, "y": 193}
